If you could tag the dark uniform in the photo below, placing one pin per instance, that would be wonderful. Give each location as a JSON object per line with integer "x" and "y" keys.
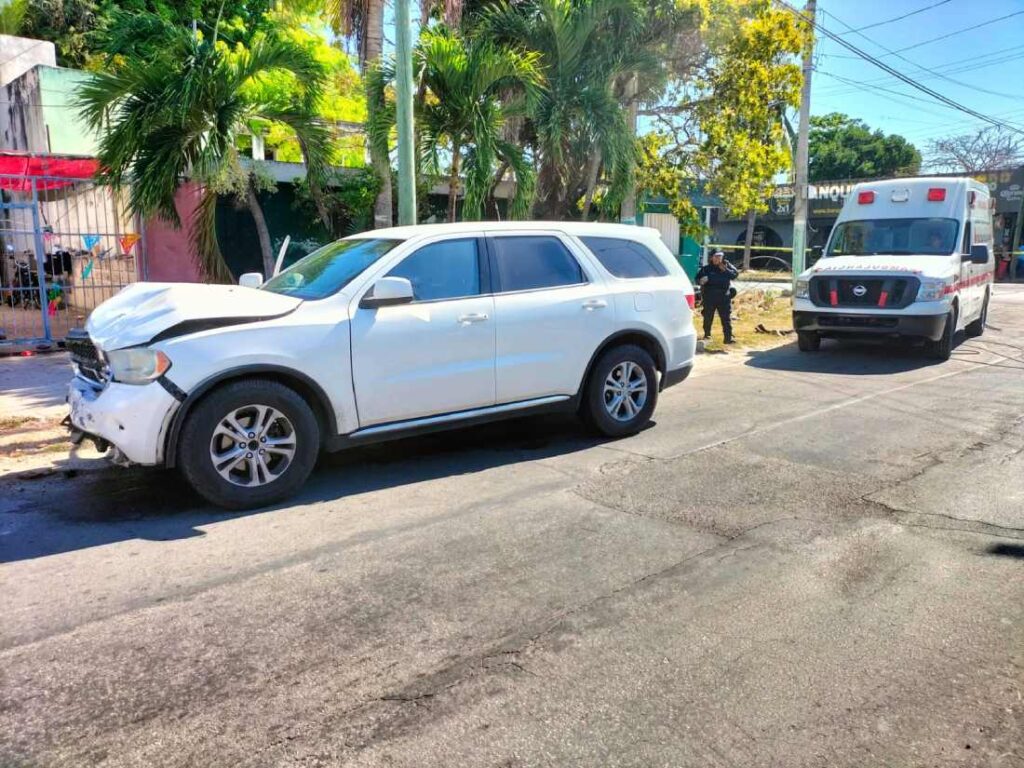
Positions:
{"x": 716, "y": 297}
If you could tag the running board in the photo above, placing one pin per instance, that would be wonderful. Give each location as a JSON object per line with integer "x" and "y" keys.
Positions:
{"x": 399, "y": 429}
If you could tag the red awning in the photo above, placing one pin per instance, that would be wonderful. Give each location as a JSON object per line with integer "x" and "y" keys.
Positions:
{"x": 19, "y": 172}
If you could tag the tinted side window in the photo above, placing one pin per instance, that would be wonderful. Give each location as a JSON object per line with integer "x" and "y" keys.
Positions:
{"x": 445, "y": 270}
{"x": 530, "y": 262}
{"x": 625, "y": 258}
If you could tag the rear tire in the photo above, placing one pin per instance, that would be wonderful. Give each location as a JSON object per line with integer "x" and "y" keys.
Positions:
{"x": 235, "y": 461}
{"x": 621, "y": 392}
{"x": 975, "y": 329}
{"x": 943, "y": 348}
{"x": 808, "y": 341}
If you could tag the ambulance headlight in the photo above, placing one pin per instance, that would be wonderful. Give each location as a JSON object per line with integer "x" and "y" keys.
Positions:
{"x": 933, "y": 290}
{"x": 802, "y": 289}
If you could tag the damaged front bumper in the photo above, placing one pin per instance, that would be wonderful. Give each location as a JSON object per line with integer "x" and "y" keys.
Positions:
{"x": 132, "y": 419}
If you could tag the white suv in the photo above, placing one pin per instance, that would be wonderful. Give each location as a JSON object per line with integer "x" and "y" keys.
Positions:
{"x": 379, "y": 336}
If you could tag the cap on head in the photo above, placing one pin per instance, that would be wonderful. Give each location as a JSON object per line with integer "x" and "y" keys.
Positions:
{"x": 718, "y": 253}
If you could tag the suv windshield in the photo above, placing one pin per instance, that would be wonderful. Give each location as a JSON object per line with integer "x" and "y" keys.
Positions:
{"x": 329, "y": 269}
{"x": 898, "y": 237}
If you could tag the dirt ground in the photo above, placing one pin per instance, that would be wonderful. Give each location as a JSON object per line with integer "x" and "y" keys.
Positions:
{"x": 752, "y": 308}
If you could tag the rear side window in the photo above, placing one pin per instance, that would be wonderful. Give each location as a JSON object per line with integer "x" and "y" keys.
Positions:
{"x": 531, "y": 262}
{"x": 446, "y": 270}
{"x": 625, "y": 258}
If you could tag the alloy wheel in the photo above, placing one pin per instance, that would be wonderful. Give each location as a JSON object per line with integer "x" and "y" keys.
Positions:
{"x": 253, "y": 445}
{"x": 625, "y": 391}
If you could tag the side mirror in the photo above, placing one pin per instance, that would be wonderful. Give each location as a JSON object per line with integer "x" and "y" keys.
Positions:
{"x": 387, "y": 292}
{"x": 251, "y": 280}
{"x": 979, "y": 254}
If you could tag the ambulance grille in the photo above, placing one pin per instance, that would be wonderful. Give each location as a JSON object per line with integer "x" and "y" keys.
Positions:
{"x": 863, "y": 291}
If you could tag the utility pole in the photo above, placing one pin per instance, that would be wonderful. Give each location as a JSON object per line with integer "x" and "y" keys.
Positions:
{"x": 406, "y": 141}
{"x": 627, "y": 210}
{"x": 800, "y": 200}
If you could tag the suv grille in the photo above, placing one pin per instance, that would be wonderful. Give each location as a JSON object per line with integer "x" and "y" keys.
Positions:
{"x": 85, "y": 357}
{"x": 884, "y": 293}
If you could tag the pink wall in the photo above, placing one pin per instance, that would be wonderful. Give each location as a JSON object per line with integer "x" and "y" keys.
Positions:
{"x": 169, "y": 249}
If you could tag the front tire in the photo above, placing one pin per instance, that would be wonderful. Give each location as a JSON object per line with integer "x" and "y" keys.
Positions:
{"x": 943, "y": 348}
{"x": 622, "y": 391}
{"x": 808, "y": 341}
{"x": 249, "y": 444}
{"x": 975, "y": 329}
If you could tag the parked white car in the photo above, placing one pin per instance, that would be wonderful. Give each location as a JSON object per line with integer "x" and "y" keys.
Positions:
{"x": 907, "y": 257}
{"x": 378, "y": 336}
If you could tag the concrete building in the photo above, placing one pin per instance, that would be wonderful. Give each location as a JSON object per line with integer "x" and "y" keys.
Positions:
{"x": 38, "y": 113}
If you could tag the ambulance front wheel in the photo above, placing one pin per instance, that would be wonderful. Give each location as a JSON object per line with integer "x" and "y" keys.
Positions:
{"x": 943, "y": 348}
{"x": 808, "y": 341}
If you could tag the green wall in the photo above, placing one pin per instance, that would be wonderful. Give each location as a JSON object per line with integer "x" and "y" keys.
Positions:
{"x": 68, "y": 135}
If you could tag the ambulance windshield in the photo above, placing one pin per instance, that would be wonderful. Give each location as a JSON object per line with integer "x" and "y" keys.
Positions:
{"x": 894, "y": 237}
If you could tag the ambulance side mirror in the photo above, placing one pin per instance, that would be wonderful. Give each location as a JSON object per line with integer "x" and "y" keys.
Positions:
{"x": 979, "y": 254}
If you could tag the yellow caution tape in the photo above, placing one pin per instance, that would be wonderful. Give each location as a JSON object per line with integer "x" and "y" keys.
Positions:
{"x": 753, "y": 247}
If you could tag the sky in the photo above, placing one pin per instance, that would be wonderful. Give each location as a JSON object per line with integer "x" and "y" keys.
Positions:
{"x": 987, "y": 63}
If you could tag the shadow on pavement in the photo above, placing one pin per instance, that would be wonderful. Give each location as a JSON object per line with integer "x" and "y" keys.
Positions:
{"x": 1007, "y": 550}
{"x": 70, "y": 511}
{"x": 847, "y": 358}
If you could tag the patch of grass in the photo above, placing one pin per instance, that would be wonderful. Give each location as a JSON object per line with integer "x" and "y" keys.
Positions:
{"x": 754, "y": 275}
{"x": 8, "y": 423}
{"x": 750, "y": 309}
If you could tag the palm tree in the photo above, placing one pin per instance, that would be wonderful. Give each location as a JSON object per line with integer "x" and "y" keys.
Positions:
{"x": 469, "y": 88}
{"x": 177, "y": 111}
{"x": 592, "y": 53}
{"x": 363, "y": 21}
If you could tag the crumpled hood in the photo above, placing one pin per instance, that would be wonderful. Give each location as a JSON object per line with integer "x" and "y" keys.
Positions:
{"x": 922, "y": 266}
{"x": 142, "y": 310}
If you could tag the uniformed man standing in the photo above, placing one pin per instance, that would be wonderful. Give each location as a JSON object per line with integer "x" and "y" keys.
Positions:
{"x": 714, "y": 279}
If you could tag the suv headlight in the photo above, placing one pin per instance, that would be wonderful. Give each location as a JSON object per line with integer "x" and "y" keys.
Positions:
{"x": 802, "y": 290}
{"x": 933, "y": 290}
{"x": 137, "y": 365}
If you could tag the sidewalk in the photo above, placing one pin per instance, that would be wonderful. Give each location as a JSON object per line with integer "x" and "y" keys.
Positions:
{"x": 32, "y": 440}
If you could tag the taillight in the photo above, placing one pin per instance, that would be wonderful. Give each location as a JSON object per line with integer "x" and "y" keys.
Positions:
{"x": 936, "y": 194}
{"x": 691, "y": 300}
{"x": 865, "y": 197}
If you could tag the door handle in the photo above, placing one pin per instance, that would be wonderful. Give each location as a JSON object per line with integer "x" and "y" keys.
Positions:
{"x": 592, "y": 304}
{"x": 473, "y": 317}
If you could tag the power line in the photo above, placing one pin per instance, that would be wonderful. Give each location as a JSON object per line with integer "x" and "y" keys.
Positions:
{"x": 1015, "y": 97}
{"x": 895, "y": 73}
{"x": 882, "y": 90}
{"x": 958, "y": 32}
{"x": 900, "y": 18}
{"x": 957, "y": 66}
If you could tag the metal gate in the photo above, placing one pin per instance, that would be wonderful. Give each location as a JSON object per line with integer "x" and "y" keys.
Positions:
{"x": 66, "y": 246}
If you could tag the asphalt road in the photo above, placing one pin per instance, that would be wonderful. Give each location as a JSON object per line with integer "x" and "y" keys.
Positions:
{"x": 810, "y": 560}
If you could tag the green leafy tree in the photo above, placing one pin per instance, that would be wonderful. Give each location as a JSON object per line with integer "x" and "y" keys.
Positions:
{"x": 752, "y": 79}
{"x": 179, "y": 112}
{"x": 469, "y": 88}
{"x": 77, "y": 27}
{"x": 466, "y": 100}
{"x": 363, "y": 22}
{"x": 12, "y": 16}
{"x": 591, "y": 52}
{"x": 661, "y": 171}
{"x": 841, "y": 147}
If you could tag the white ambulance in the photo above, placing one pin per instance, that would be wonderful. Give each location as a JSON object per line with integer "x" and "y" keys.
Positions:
{"x": 906, "y": 258}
